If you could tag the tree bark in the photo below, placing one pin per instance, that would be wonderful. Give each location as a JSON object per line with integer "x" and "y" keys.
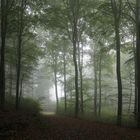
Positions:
{"x": 81, "y": 79}
{"x": 19, "y": 47}
{"x": 55, "y": 80}
{"x": 4, "y": 8}
{"x": 80, "y": 64}
{"x": 65, "y": 94}
{"x": 21, "y": 88}
{"x": 73, "y": 16}
{"x": 138, "y": 58}
{"x": 135, "y": 77}
{"x": 95, "y": 83}
{"x": 76, "y": 74}
{"x": 11, "y": 81}
{"x": 118, "y": 70}
{"x": 117, "y": 14}
{"x": 131, "y": 93}
{"x": 100, "y": 84}
{"x": 75, "y": 41}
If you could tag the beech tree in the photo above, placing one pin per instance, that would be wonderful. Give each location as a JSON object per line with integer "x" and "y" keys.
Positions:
{"x": 4, "y": 14}
{"x": 138, "y": 57}
{"x": 6, "y": 6}
{"x": 117, "y": 9}
{"x": 19, "y": 47}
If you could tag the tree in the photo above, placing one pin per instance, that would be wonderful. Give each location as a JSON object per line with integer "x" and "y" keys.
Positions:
{"x": 100, "y": 82}
{"x": 117, "y": 9}
{"x": 138, "y": 57}
{"x": 4, "y": 14}
{"x": 53, "y": 56}
{"x": 95, "y": 82}
{"x": 73, "y": 6}
{"x": 19, "y": 51}
{"x": 80, "y": 64}
{"x": 55, "y": 80}
{"x": 65, "y": 81}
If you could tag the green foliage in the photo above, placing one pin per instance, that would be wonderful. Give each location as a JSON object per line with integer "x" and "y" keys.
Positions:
{"x": 30, "y": 105}
{"x": 27, "y": 104}
{"x": 48, "y": 38}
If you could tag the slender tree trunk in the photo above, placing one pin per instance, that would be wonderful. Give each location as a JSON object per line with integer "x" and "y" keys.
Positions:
{"x": 4, "y": 4}
{"x": 73, "y": 5}
{"x": 74, "y": 41}
{"x": 19, "y": 53}
{"x": 65, "y": 94}
{"x": 80, "y": 64}
{"x": 135, "y": 77}
{"x": 117, "y": 15}
{"x": 81, "y": 93}
{"x": 95, "y": 84}
{"x": 11, "y": 81}
{"x": 100, "y": 84}
{"x": 76, "y": 78}
{"x": 131, "y": 92}
{"x": 55, "y": 80}
{"x": 21, "y": 87}
{"x": 118, "y": 70}
{"x": 138, "y": 58}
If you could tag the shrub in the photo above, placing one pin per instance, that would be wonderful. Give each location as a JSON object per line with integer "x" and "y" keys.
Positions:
{"x": 27, "y": 104}
{"x": 30, "y": 105}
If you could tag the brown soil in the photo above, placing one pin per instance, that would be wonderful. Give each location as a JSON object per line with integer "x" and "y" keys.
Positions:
{"x": 19, "y": 126}
{"x": 23, "y": 126}
{"x": 64, "y": 128}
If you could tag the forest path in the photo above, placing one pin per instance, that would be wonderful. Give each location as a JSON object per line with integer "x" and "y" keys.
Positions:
{"x": 66, "y": 128}
{"x": 25, "y": 126}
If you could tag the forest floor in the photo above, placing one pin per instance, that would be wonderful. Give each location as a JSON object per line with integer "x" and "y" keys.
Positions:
{"x": 19, "y": 126}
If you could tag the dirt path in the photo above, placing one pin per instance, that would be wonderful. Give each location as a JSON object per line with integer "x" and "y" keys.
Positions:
{"x": 65, "y": 128}
{"x": 22, "y": 126}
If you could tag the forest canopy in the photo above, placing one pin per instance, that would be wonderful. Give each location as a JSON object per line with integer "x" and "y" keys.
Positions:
{"x": 76, "y": 57}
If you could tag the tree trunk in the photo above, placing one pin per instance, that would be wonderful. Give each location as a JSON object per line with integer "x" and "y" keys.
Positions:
{"x": 11, "y": 81}
{"x": 100, "y": 84}
{"x": 73, "y": 16}
{"x": 21, "y": 12}
{"x": 76, "y": 80}
{"x": 118, "y": 70}
{"x": 76, "y": 70}
{"x": 65, "y": 94}
{"x": 131, "y": 93}
{"x": 135, "y": 77}
{"x": 4, "y": 4}
{"x": 74, "y": 41}
{"x": 117, "y": 14}
{"x": 55, "y": 80}
{"x": 138, "y": 58}
{"x": 80, "y": 64}
{"x": 21, "y": 87}
{"x": 95, "y": 84}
